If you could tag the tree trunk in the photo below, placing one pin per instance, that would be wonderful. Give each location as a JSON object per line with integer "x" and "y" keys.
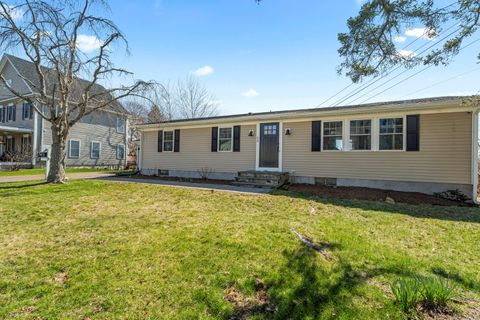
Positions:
{"x": 56, "y": 173}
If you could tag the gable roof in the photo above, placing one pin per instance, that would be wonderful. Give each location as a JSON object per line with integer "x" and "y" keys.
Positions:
{"x": 423, "y": 103}
{"x": 27, "y": 70}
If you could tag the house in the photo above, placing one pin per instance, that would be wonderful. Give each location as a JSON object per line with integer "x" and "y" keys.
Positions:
{"x": 97, "y": 140}
{"x": 423, "y": 145}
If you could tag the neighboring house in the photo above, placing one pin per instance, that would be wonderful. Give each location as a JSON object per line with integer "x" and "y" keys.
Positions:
{"x": 97, "y": 140}
{"x": 423, "y": 145}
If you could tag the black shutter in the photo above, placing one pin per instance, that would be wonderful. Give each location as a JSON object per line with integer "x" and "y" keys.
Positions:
{"x": 413, "y": 133}
{"x": 316, "y": 135}
{"x": 236, "y": 139}
{"x": 160, "y": 141}
{"x": 23, "y": 111}
{"x": 14, "y": 110}
{"x": 176, "y": 143}
{"x": 214, "y": 139}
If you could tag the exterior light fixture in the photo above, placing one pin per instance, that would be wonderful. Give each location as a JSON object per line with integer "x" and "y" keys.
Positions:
{"x": 288, "y": 131}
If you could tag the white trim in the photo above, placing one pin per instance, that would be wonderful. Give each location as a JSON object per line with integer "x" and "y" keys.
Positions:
{"x": 344, "y": 136}
{"x": 70, "y": 148}
{"x": 280, "y": 148}
{"x": 99, "y": 149}
{"x": 231, "y": 139}
{"x": 35, "y": 136}
{"x": 475, "y": 159}
{"x": 173, "y": 140}
{"x": 349, "y": 134}
{"x": 116, "y": 152}
{"x": 16, "y": 129}
{"x": 404, "y": 133}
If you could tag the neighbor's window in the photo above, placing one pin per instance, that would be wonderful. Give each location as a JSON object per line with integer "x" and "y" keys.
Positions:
{"x": 225, "y": 139}
{"x": 120, "y": 151}
{"x": 167, "y": 141}
{"x": 391, "y": 134}
{"x": 360, "y": 135}
{"x": 120, "y": 125}
{"x": 333, "y": 135}
{"x": 10, "y": 113}
{"x": 27, "y": 111}
{"x": 74, "y": 149}
{"x": 95, "y": 150}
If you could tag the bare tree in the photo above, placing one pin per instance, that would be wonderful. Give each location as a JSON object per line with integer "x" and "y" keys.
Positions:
{"x": 48, "y": 34}
{"x": 193, "y": 100}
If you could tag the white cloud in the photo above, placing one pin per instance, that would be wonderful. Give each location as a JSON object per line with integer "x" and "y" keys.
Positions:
{"x": 360, "y": 2}
{"x": 250, "y": 93}
{"x": 424, "y": 33}
{"x": 400, "y": 38}
{"x": 406, "y": 54}
{"x": 14, "y": 12}
{"x": 204, "y": 71}
{"x": 88, "y": 43}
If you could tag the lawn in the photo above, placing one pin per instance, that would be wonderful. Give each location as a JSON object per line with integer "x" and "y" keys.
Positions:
{"x": 104, "y": 250}
{"x": 27, "y": 172}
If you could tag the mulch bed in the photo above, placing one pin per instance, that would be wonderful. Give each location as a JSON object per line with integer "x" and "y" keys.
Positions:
{"x": 361, "y": 193}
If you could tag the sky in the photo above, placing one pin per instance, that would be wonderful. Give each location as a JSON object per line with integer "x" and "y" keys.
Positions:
{"x": 281, "y": 54}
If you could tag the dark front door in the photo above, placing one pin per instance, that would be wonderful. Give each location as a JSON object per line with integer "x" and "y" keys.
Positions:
{"x": 269, "y": 145}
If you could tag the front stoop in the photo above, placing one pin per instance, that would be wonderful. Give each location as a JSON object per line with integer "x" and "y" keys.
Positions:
{"x": 261, "y": 179}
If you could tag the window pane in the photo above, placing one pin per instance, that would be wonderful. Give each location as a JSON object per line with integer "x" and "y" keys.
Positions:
{"x": 95, "y": 152}
{"x": 225, "y": 145}
{"x": 392, "y": 125}
{"x": 333, "y": 128}
{"x": 333, "y": 143}
{"x": 168, "y": 146}
{"x": 168, "y": 141}
{"x": 74, "y": 148}
{"x": 391, "y": 142}
{"x": 361, "y": 142}
{"x": 360, "y": 126}
{"x": 120, "y": 151}
{"x": 225, "y": 133}
{"x": 398, "y": 141}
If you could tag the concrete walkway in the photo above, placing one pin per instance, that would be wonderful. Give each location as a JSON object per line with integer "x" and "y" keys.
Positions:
{"x": 78, "y": 175}
{"x": 192, "y": 185}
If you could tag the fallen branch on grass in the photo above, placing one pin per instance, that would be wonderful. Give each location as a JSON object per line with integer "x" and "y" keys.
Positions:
{"x": 309, "y": 243}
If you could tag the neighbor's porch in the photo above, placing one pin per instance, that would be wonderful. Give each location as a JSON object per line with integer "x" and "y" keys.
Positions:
{"x": 16, "y": 147}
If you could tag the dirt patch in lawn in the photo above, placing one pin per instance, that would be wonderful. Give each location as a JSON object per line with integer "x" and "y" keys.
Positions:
{"x": 193, "y": 180}
{"x": 360, "y": 193}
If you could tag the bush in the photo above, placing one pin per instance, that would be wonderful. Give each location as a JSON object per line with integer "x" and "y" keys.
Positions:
{"x": 406, "y": 292}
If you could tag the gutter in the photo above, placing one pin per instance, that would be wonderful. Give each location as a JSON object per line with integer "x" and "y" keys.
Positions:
{"x": 475, "y": 148}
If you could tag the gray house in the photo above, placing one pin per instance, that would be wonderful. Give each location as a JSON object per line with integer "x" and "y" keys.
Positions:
{"x": 98, "y": 140}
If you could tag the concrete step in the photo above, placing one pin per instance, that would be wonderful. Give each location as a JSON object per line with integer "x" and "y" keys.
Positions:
{"x": 273, "y": 181}
{"x": 253, "y": 185}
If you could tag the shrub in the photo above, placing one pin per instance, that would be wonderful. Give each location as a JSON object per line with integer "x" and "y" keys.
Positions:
{"x": 436, "y": 292}
{"x": 406, "y": 292}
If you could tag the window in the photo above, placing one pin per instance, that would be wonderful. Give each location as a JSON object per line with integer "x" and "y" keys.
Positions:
{"x": 11, "y": 113}
{"x": 9, "y": 82}
{"x": 10, "y": 144}
{"x": 120, "y": 125}
{"x": 2, "y": 114}
{"x": 120, "y": 151}
{"x": 26, "y": 143}
{"x": 27, "y": 111}
{"x": 95, "y": 150}
{"x": 167, "y": 141}
{"x": 333, "y": 135}
{"x": 270, "y": 129}
{"x": 225, "y": 139}
{"x": 391, "y": 134}
{"x": 74, "y": 149}
{"x": 360, "y": 135}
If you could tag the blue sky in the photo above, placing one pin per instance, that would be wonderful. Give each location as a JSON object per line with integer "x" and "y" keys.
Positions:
{"x": 281, "y": 54}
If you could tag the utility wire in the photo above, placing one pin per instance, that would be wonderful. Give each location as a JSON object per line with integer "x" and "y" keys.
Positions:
{"x": 375, "y": 80}
{"x": 416, "y": 73}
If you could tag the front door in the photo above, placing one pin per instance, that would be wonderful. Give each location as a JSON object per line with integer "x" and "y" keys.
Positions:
{"x": 269, "y": 145}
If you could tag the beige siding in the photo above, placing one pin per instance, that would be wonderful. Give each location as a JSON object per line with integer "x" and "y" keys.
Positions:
{"x": 195, "y": 152}
{"x": 445, "y": 156}
{"x": 17, "y": 83}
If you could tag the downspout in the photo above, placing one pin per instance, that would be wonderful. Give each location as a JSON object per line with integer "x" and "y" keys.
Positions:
{"x": 474, "y": 176}
{"x": 126, "y": 142}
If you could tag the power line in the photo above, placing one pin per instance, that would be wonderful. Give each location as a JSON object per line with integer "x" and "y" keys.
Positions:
{"x": 440, "y": 82}
{"x": 416, "y": 73}
{"x": 375, "y": 80}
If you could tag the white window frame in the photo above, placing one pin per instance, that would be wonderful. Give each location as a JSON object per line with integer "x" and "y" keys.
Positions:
{"x": 173, "y": 140}
{"x": 348, "y": 134}
{"x": 124, "y": 151}
{"x": 70, "y": 148}
{"x": 404, "y": 133}
{"x": 322, "y": 135}
{"x": 124, "y": 125}
{"x": 99, "y": 149}
{"x": 218, "y": 139}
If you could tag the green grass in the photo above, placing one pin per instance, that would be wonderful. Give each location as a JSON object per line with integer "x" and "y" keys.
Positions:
{"x": 27, "y": 172}
{"x": 106, "y": 250}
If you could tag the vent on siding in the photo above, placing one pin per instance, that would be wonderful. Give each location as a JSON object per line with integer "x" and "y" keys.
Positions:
{"x": 163, "y": 173}
{"x": 329, "y": 182}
